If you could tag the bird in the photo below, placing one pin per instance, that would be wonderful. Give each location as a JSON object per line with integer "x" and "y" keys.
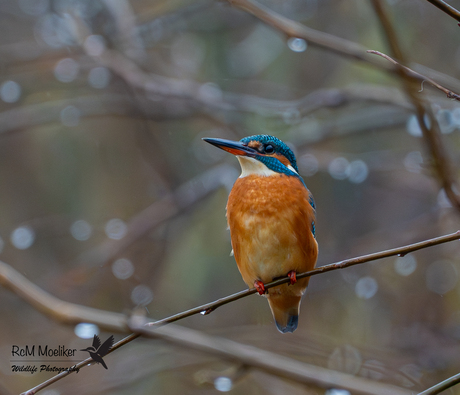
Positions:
{"x": 96, "y": 351}
{"x": 271, "y": 215}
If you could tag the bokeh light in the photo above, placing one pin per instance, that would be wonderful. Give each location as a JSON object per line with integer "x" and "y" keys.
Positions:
{"x": 10, "y": 91}
{"x": 223, "y": 384}
{"x": 122, "y": 269}
{"x": 366, "y": 287}
{"x": 70, "y": 116}
{"x": 339, "y": 168}
{"x": 441, "y": 276}
{"x": 357, "y": 171}
{"x": 94, "y": 45}
{"x": 81, "y": 230}
{"x": 405, "y": 265}
{"x": 86, "y": 331}
{"x": 115, "y": 229}
{"x": 66, "y": 70}
{"x": 22, "y": 237}
{"x": 141, "y": 295}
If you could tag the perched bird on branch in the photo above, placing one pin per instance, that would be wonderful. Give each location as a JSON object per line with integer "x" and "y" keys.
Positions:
{"x": 271, "y": 216}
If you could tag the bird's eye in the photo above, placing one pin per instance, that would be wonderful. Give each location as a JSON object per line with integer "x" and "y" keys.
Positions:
{"x": 269, "y": 149}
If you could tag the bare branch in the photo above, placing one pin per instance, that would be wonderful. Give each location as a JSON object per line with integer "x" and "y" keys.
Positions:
{"x": 431, "y": 132}
{"x": 179, "y": 106}
{"x": 447, "y": 8}
{"x": 57, "y": 309}
{"x": 294, "y": 29}
{"x": 272, "y": 363}
{"x": 316, "y": 38}
{"x": 71, "y": 313}
{"x": 442, "y": 386}
{"x": 414, "y": 74}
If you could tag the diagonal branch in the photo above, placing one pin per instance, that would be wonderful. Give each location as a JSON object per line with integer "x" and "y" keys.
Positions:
{"x": 442, "y": 386}
{"x": 430, "y": 127}
{"x": 316, "y": 38}
{"x": 70, "y": 313}
{"x": 414, "y": 74}
{"x": 447, "y": 8}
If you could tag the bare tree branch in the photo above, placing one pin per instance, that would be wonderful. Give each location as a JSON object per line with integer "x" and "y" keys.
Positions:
{"x": 71, "y": 313}
{"x": 291, "y": 28}
{"x": 251, "y": 356}
{"x": 270, "y": 362}
{"x": 442, "y": 386}
{"x": 345, "y": 48}
{"x": 447, "y": 8}
{"x": 414, "y": 74}
{"x": 178, "y": 107}
{"x": 316, "y": 38}
{"x": 430, "y": 129}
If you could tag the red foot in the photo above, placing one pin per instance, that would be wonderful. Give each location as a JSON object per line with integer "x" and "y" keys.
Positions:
{"x": 292, "y": 276}
{"x": 259, "y": 285}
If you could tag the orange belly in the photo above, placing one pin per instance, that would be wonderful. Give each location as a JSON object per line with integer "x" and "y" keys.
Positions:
{"x": 270, "y": 221}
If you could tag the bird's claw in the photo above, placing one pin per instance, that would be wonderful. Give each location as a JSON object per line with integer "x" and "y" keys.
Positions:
{"x": 259, "y": 285}
{"x": 293, "y": 277}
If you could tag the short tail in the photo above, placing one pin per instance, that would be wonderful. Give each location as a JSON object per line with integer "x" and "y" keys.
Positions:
{"x": 285, "y": 310}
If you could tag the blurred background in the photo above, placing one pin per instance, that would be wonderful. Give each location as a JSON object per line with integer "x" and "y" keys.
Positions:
{"x": 110, "y": 199}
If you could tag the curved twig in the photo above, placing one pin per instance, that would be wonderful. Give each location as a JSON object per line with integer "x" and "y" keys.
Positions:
{"x": 414, "y": 74}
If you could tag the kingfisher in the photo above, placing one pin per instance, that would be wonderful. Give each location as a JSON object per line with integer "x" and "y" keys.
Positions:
{"x": 271, "y": 216}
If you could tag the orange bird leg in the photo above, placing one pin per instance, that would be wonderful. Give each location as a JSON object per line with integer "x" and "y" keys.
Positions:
{"x": 292, "y": 276}
{"x": 259, "y": 285}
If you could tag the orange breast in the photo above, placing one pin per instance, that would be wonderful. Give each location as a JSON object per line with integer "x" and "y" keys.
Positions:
{"x": 270, "y": 224}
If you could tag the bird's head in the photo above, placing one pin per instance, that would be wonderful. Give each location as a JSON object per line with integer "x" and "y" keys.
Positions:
{"x": 260, "y": 154}
{"x": 92, "y": 349}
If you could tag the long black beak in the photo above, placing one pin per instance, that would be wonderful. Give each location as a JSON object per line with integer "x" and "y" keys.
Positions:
{"x": 86, "y": 349}
{"x": 234, "y": 147}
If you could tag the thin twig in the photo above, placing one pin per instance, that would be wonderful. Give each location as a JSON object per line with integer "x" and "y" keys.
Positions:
{"x": 314, "y": 37}
{"x": 447, "y": 8}
{"x": 442, "y": 386}
{"x": 72, "y": 314}
{"x": 401, "y": 251}
{"x": 414, "y": 74}
{"x": 355, "y": 51}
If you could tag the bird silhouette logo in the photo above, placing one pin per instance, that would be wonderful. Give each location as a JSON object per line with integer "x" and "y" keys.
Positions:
{"x": 96, "y": 351}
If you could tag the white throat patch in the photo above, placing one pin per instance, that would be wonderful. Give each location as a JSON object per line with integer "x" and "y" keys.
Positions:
{"x": 253, "y": 166}
{"x": 292, "y": 169}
